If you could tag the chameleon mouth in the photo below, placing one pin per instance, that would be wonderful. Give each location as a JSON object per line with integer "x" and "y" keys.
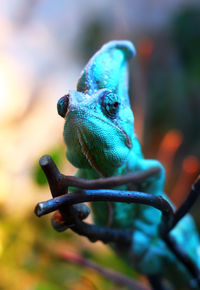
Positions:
{"x": 113, "y": 123}
{"x": 87, "y": 153}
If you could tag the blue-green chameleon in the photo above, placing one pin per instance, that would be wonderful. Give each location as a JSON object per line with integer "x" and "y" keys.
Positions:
{"x": 101, "y": 142}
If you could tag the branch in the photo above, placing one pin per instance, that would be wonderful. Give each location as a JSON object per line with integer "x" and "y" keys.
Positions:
{"x": 106, "y": 272}
{"x": 171, "y": 242}
{"x": 59, "y": 183}
{"x": 182, "y": 256}
{"x": 188, "y": 203}
{"x": 67, "y": 206}
{"x": 108, "y": 182}
{"x": 157, "y": 202}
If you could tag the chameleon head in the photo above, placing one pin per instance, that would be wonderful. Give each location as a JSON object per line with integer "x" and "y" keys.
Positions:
{"x": 98, "y": 120}
{"x": 98, "y": 130}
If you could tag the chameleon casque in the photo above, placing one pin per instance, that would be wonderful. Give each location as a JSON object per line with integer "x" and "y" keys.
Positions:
{"x": 101, "y": 142}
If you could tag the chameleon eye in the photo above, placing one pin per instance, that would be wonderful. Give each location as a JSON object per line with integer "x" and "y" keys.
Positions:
{"x": 62, "y": 105}
{"x": 110, "y": 104}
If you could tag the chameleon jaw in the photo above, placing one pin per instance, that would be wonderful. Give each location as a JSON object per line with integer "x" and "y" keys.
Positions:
{"x": 87, "y": 154}
{"x": 88, "y": 144}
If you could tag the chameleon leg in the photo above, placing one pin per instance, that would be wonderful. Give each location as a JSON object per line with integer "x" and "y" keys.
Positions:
{"x": 144, "y": 249}
{"x": 155, "y": 183}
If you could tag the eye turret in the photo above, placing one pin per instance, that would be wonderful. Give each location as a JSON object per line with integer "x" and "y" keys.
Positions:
{"x": 110, "y": 104}
{"x": 62, "y": 105}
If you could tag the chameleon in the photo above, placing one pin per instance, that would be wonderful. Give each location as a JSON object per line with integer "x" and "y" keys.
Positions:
{"x": 101, "y": 142}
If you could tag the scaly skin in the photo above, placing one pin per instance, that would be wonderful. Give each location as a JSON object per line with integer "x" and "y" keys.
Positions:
{"x": 101, "y": 141}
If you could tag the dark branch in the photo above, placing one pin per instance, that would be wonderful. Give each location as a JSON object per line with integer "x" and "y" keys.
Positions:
{"x": 157, "y": 202}
{"x": 59, "y": 183}
{"x": 106, "y": 272}
{"x": 171, "y": 242}
{"x": 188, "y": 203}
{"x": 106, "y": 235}
{"x": 53, "y": 175}
{"x": 182, "y": 256}
{"x": 67, "y": 206}
{"x": 109, "y": 182}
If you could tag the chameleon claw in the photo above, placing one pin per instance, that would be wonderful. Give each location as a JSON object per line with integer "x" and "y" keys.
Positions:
{"x": 58, "y": 222}
{"x": 62, "y": 221}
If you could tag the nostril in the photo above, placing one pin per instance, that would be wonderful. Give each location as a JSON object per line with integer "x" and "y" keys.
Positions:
{"x": 62, "y": 105}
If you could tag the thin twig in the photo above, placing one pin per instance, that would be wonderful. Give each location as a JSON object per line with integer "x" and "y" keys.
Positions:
{"x": 94, "y": 233}
{"x": 66, "y": 204}
{"x": 157, "y": 202}
{"x": 188, "y": 203}
{"x": 182, "y": 256}
{"x": 58, "y": 187}
{"x": 59, "y": 183}
{"x": 109, "y": 182}
{"x": 171, "y": 242}
{"x": 106, "y": 272}
{"x": 104, "y": 234}
{"x": 53, "y": 175}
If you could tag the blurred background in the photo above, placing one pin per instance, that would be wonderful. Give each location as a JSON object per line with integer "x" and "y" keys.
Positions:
{"x": 43, "y": 48}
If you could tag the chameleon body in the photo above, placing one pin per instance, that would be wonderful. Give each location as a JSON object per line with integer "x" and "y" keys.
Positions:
{"x": 101, "y": 142}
